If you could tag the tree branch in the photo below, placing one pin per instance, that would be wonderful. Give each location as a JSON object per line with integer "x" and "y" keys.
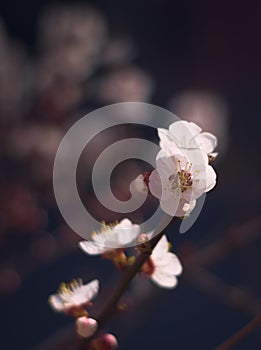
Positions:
{"x": 242, "y": 333}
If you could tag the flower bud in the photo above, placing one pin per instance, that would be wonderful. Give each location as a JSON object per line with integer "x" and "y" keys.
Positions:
{"x": 140, "y": 184}
{"x": 86, "y": 327}
{"x": 105, "y": 342}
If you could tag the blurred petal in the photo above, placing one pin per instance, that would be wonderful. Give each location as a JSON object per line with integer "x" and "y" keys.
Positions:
{"x": 161, "y": 248}
{"x": 88, "y": 291}
{"x": 164, "y": 281}
{"x": 172, "y": 266}
{"x": 92, "y": 248}
{"x": 56, "y": 302}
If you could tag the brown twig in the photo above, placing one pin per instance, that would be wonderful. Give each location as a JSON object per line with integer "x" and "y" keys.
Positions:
{"x": 242, "y": 333}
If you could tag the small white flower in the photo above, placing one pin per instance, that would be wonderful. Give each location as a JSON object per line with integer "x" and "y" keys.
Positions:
{"x": 86, "y": 326}
{"x": 186, "y": 136}
{"x": 73, "y": 295}
{"x": 163, "y": 266}
{"x": 178, "y": 183}
{"x": 111, "y": 237}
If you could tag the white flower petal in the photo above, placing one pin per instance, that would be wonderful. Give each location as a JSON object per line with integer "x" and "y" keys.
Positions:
{"x": 204, "y": 179}
{"x": 170, "y": 204}
{"x": 172, "y": 265}
{"x": 164, "y": 281}
{"x": 167, "y": 142}
{"x": 194, "y": 128}
{"x": 183, "y": 135}
{"x": 206, "y": 141}
{"x": 111, "y": 237}
{"x": 167, "y": 165}
{"x": 125, "y": 232}
{"x": 127, "y": 236}
{"x": 92, "y": 248}
{"x": 87, "y": 291}
{"x": 183, "y": 132}
{"x": 161, "y": 248}
{"x": 56, "y": 302}
{"x": 211, "y": 178}
{"x": 125, "y": 223}
{"x": 195, "y": 155}
{"x": 73, "y": 295}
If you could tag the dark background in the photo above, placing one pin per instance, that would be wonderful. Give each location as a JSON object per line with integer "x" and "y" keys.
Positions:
{"x": 184, "y": 45}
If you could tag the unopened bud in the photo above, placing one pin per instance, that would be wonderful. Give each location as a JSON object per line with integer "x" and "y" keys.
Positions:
{"x": 105, "y": 342}
{"x": 86, "y": 327}
{"x": 140, "y": 184}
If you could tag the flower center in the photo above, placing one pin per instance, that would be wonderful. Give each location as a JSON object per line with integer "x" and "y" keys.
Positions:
{"x": 182, "y": 179}
{"x": 185, "y": 180}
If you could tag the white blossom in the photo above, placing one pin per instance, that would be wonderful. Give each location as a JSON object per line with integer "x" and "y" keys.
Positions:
{"x": 73, "y": 295}
{"x": 163, "y": 266}
{"x": 186, "y": 136}
{"x": 111, "y": 237}
{"x": 178, "y": 183}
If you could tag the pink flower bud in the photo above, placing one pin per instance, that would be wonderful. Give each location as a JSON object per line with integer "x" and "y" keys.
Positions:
{"x": 86, "y": 327}
{"x": 105, "y": 342}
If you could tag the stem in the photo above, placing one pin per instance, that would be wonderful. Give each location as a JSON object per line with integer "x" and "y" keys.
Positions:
{"x": 110, "y": 307}
{"x": 243, "y": 332}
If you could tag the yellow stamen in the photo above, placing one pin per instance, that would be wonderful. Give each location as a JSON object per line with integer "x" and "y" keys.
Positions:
{"x": 105, "y": 228}
{"x": 69, "y": 288}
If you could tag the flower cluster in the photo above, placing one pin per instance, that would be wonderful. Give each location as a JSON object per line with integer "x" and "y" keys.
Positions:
{"x": 162, "y": 266}
{"x": 183, "y": 173}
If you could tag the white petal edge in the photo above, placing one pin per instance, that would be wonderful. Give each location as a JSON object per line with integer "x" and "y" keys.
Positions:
{"x": 161, "y": 248}
{"x": 164, "y": 281}
{"x": 90, "y": 290}
{"x": 92, "y": 248}
{"x": 56, "y": 303}
{"x": 206, "y": 141}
